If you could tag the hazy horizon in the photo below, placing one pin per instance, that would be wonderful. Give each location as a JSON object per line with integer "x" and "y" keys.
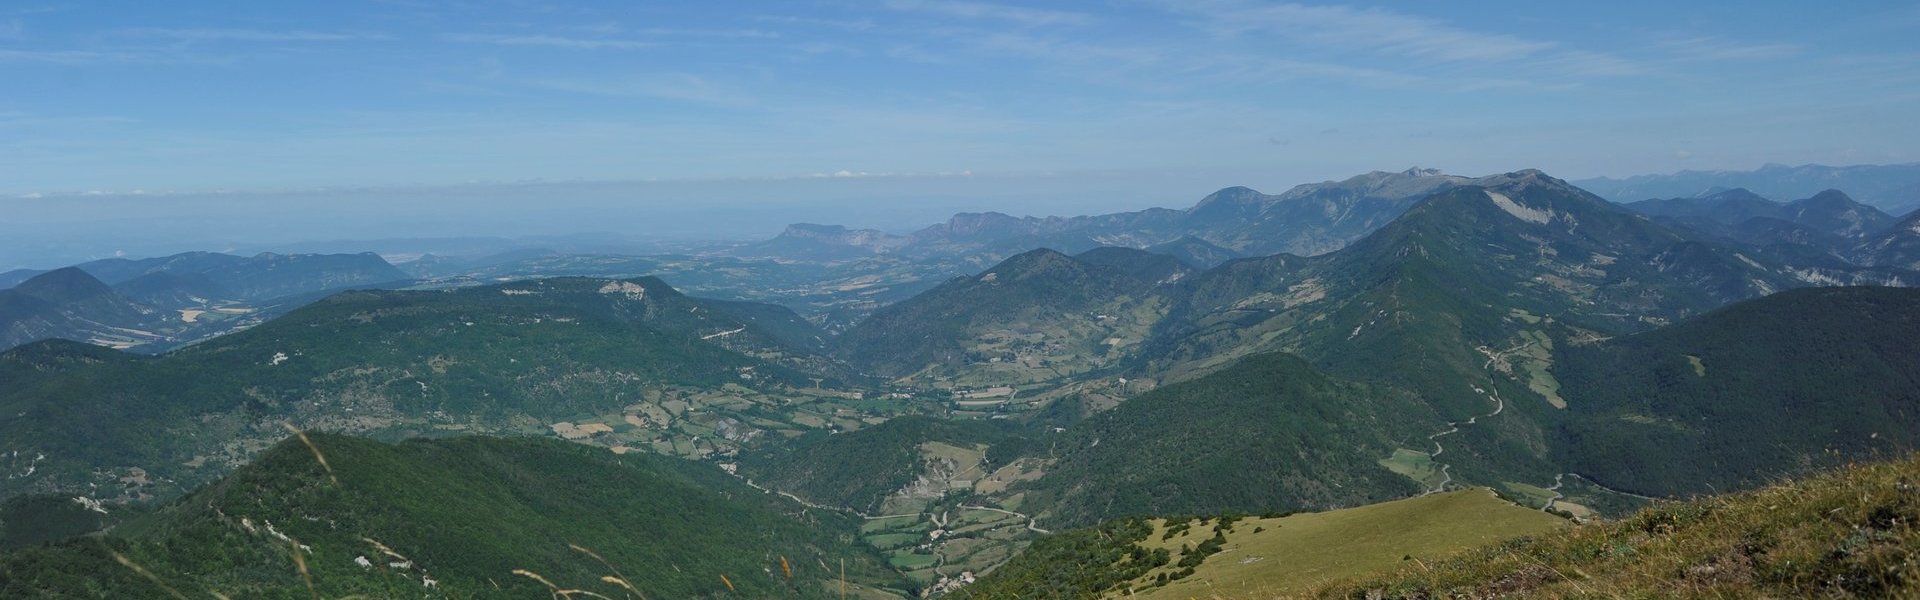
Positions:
{"x": 145, "y": 129}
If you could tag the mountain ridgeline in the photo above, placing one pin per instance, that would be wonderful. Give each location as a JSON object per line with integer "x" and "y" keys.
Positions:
{"x": 1830, "y": 212}
{"x": 1238, "y": 221}
{"x": 1894, "y": 188}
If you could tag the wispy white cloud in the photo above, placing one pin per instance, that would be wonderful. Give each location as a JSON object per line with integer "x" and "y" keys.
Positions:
{"x": 1168, "y": 67}
{"x": 983, "y": 10}
{"x": 916, "y": 54}
{"x": 1712, "y": 49}
{"x": 1377, "y": 30}
{"x": 254, "y": 35}
{"x": 1019, "y": 44}
{"x": 756, "y": 34}
{"x": 1583, "y": 63}
{"x": 11, "y": 29}
{"x": 843, "y": 24}
{"x": 683, "y": 87}
{"x": 550, "y": 41}
{"x": 68, "y": 57}
{"x": 21, "y": 120}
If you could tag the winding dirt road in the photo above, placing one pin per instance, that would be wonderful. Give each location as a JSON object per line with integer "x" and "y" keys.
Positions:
{"x": 1446, "y": 470}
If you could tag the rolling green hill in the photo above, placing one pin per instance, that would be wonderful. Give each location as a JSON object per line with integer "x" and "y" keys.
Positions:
{"x": 1268, "y": 433}
{"x": 1037, "y": 316}
{"x": 464, "y": 513}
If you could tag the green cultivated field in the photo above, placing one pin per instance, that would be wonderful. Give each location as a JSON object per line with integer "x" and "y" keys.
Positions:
{"x": 1416, "y": 465}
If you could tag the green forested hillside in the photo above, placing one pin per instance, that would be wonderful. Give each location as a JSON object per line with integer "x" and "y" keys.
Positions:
{"x": 1464, "y": 301}
{"x": 35, "y": 519}
{"x": 1268, "y": 433}
{"x": 1041, "y": 315}
{"x": 858, "y": 470}
{"x": 518, "y": 357}
{"x": 464, "y": 513}
{"x": 1725, "y": 401}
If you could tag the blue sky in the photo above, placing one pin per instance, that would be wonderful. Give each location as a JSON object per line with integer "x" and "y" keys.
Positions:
{"x": 1162, "y": 99}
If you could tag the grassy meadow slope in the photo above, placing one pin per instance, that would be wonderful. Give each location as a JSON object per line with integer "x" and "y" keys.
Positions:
{"x": 1184, "y": 557}
{"x": 1850, "y": 533}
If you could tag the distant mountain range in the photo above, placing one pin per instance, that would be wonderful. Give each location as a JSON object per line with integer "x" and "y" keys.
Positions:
{"x": 1308, "y": 219}
{"x": 1892, "y": 188}
{"x": 1827, "y": 229}
{"x": 1830, "y": 212}
{"x": 157, "y": 303}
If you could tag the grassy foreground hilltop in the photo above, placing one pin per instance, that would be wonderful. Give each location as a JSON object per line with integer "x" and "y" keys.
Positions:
{"x": 1851, "y": 533}
{"x": 1182, "y": 557}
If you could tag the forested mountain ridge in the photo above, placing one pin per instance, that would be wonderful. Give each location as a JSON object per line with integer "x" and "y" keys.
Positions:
{"x": 1898, "y": 246}
{"x": 1734, "y": 397}
{"x": 1473, "y": 256}
{"x": 1036, "y": 316}
{"x": 1266, "y": 434}
{"x": 456, "y": 518}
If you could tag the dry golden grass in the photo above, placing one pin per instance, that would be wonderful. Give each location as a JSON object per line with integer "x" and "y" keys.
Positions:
{"x": 1852, "y": 533}
{"x": 300, "y": 564}
{"x": 617, "y": 578}
{"x": 148, "y": 575}
{"x": 317, "y": 455}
